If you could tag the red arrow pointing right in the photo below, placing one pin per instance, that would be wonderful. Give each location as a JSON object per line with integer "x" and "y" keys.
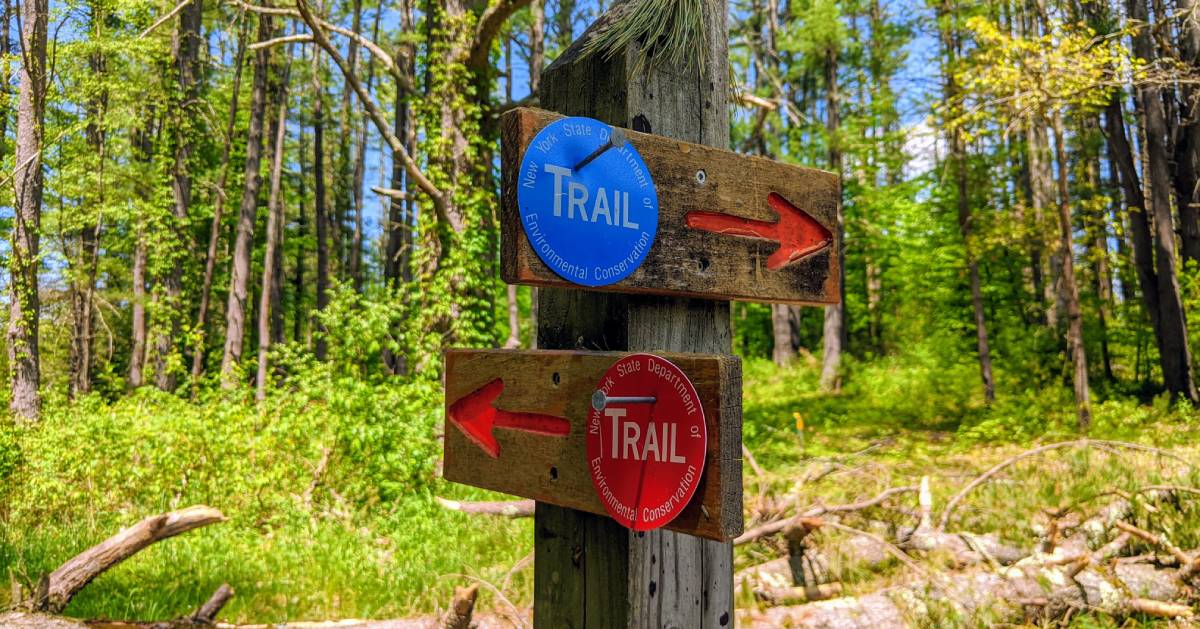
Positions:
{"x": 477, "y": 416}
{"x": 797, "y": 233}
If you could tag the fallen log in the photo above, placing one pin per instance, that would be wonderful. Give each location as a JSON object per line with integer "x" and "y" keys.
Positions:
{"x": 57, "y": 589}
{"x": 1026, "y": 592}
{"x": 506, "y": 508}
{"x": 205, "y": 616}
{"x": 778, "y": 526}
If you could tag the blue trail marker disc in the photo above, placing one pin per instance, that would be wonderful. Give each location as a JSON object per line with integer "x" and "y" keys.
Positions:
{"x": 593, "y": 225}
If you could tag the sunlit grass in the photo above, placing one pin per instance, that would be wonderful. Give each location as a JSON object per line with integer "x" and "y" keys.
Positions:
{"x": 353, "y": 552}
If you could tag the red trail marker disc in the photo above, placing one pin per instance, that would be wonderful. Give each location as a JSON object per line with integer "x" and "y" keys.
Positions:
{"x": 646, "y": 441}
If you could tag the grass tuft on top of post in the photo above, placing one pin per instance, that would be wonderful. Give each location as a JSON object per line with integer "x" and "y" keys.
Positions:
{"x": 668, "y": 31}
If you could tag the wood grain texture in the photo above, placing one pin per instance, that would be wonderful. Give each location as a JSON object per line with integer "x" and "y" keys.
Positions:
{"x": 552, "y": 468}
{"x": 685, "y": 261}
{"x": 608, "y": 569}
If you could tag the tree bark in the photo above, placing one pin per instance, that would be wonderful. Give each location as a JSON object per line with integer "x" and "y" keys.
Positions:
{"x": 239, "y": 277}
{"x": 1175, "y": 354}
{"x": 395, "y": 264}
{"x": 84, "y": 267}
{"x": 137, "y": 352}
{"x": 782, "y": 351}
{"x": 958, "y": 154}
{"x": 1187, "y": 154}
{"x": 1083, "y": 409}
{"x": 267, "y": 306}
{"x": 537, "y": 44}
{"x": 834, "y": 329}
{"x": 214, "y": 236}
{"x": 188, "y": 40}
{"x": 24, "y": 257}
{"x": 322, "y": 215}
{"x": 299, "y": 312}
{"x": 1139, "y": 223}
{"x": 143, "y": 143}
{"x": 73, "y": 575}
{"x": 354, "y": 180}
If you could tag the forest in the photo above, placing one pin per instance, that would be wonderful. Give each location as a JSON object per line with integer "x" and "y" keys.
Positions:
{"x": 238, "y": 236}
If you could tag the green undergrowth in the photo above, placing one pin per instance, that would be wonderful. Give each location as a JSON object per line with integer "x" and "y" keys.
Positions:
{"x": 357, "y": 536}
{"x": 361, "y": 535}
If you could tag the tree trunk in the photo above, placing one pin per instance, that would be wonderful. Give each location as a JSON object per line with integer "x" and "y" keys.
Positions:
{"x": 354, "y": 256}
{"x": 1187, "y": 154}
{"x": 266, "y": 304}
{"x": 564, "y": 20}
{"x": 5, "y": 78}
{"x": 395, "y": 256}
{"x": 137, "y": 352}
{"x": 239, "y": 277}
{"x": 782, "y": 351}
{"x": 834, "y": 333}
{"x": 1174, "y": 353}
{"x": 1096, "y": 219}
{"x": 214, "y": 236}
{"x": 83, "y": 312}
{"x": 537, "y": 44}
{"x": 299, "y": 312}
{"x": 322, "y": 217}
{"x": 188, "y": 40}
{"x": 1083, "y": 409}
{"x": 84, "y": 268}
{"x": 958, "y": 154}
{"x": 1139, "y": 224}
{"x": 24, "y": 258}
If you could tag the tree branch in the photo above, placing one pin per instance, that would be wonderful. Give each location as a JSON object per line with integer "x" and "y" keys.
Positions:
{"x": 486, "y": 30}
{"x": 82, "y": 568}
{"x": 772, "y": 528}
{"x": 302, "y": 38}
{"x": 162, "y": 20}
{"x": 389, "y": 63}
{"x": 381, "y": 123}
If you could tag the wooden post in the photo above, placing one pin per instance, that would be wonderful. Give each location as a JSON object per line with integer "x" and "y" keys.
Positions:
{"x": 589, "y": 571}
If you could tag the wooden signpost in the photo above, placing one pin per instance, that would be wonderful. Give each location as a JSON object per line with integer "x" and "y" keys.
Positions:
{"x": 517, "y": 423}
{"x": 730, "y": 226}
{"x": 662, "y": 227}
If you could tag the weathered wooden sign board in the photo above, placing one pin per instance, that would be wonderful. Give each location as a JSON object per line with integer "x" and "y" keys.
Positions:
{"x": 729, "y": 226}
{"x": 516, "y": 422}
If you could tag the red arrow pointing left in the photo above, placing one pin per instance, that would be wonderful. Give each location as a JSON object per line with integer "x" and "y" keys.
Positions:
{"x": 477, "y": 416}
{"x": 797, "y": 233}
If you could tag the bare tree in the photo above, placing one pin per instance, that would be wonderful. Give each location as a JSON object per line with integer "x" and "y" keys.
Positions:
{"x": 239, "y": 279}
{"x": 84, "y": 265}
{"x": 143, "y": 140}
{"x": 322, "y": 209}
{"x": 958, "y": 154}
{"x": 24, "y": 306}
{"x": 834, "y": 332}
{"x": 266, "y": 305}
{"x": 1175, "y": 354}
{"x": 214, "y": 236}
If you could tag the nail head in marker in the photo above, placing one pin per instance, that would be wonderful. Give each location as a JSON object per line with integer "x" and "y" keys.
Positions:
{"x": 616, "y": 139}
{"x": 600, "y": 401}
